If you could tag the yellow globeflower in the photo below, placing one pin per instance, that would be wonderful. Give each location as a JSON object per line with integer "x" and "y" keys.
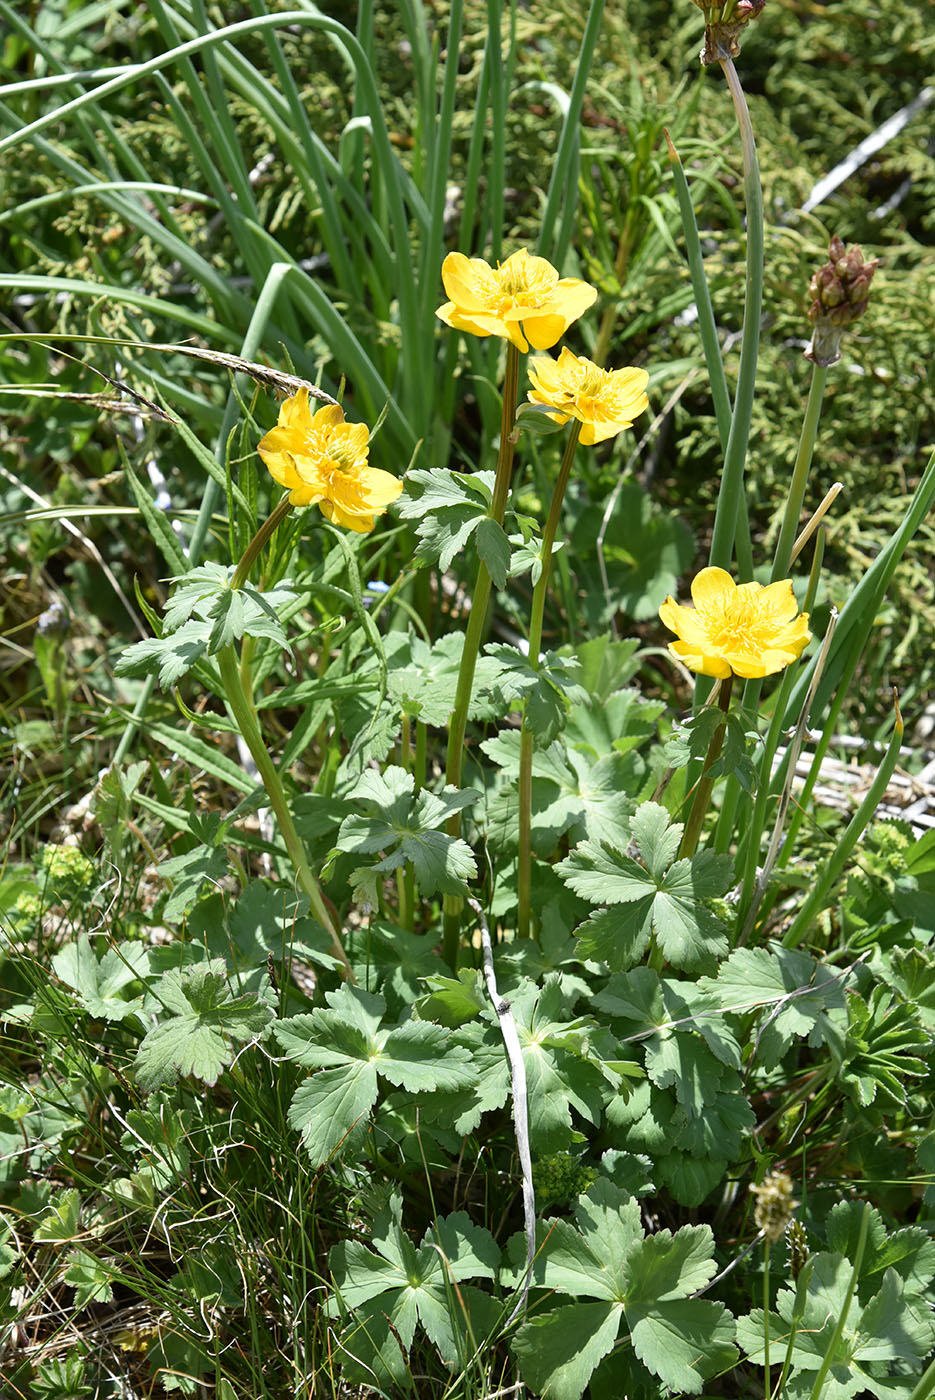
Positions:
{"x": 605, "y": 401}
{"x": 522, "y": 300}
{"x": 745, "y": 628}
{"x": 322, "y": 460}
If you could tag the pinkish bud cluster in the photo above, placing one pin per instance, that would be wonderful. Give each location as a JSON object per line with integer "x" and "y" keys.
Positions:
{"x": 840, "y": 289}
{"x": 724, "y": 21}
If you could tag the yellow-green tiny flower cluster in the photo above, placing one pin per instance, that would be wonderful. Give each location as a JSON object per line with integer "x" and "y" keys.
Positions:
{"x": 67, "y": 865}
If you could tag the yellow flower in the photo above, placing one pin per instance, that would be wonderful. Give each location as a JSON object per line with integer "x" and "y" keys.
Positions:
{"x": 605, "y": 400}
{"x": 322, "y": 460}
{"x": 746, "y": 628}
{"x": 521, "y": 300}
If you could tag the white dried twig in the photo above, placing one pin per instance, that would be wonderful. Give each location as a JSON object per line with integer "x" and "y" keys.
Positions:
{"x": 514, "y": 1054}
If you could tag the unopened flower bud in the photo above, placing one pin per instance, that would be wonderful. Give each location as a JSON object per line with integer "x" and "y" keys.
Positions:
{"x": 840, "y": 288}
{"x": 797, "y": 1244}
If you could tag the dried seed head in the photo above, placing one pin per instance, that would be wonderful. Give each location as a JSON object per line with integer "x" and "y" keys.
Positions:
{"x": 774, "y": 1205}
{"x": 840, "y": 289}
{"x": 724, "y": 21}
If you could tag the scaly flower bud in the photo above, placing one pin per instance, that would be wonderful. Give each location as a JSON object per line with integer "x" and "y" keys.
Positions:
{"x": 840, "y": 288}
{"x": 724, "y": 20}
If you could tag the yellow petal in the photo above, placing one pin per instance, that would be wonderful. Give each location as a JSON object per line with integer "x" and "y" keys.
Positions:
{"x": 339, "y": 515}
{"x": 279, "y": 440}
{"x": 703, "y": 662}
{"x": 543, "y": 331}
{"x": 545, "y": 375}
{"x": 476, "y": 324}
{"x": 282, "y": 468}
{"x": 331, "y": 416}
{"x": 630, "y": 382}
{"x": 379, "y": 489}
{"x": 713, "y": 590}
{"x": 574, "y": 297}
{"x": 684, "y": 622}
{"x": 780, "y": 600}
{"x": 750, "y": 667}
{"x": 295, "y": 413}
{"x": 469, "y": 282}
{"x": 529, "y": 269}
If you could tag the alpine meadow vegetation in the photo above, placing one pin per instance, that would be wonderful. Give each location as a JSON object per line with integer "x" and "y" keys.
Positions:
{"x": 437, "y": 958}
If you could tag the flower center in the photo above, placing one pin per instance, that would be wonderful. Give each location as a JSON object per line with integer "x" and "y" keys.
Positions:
{"x": 519, "y": 287}
{"x": 740, "y": 626}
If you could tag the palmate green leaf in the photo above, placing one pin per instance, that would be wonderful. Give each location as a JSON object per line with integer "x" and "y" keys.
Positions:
{"x": 645, "y": 553}
{"x": 450, "y": 507}
{"x": 423, "y": 679}
{"x": 264, "y": 919}
{"x": 62, "y": 1220}
{"x": 410, "y": 1283}
{"x": 684, "y": 1342}
{"x": 665, "y": 1266}
{"x": 101, "y": 984}
{"x": 194, "y": 592}
{"x": 660, "y": 898}
{"x": 243, "y": 612}
{"x": 188, "y": 873}
{"x": 348, "y": 1047}
{"x": 437, "y": 489}
{"x": 892, "y": 1327}
{"x": 910, "y": 1252}
{"x": 798, "y": 991}
{"x": 546, "y": 692}
{"x": 642, "y": 1282}
{"x": 692, "y": 738}
{"x": 493, "y": 547}
{"x": 204, "y": 1023}
{"x": 330, "y": 1106}
{"x": 170, "y": 656}
{"x": 90, "y": 1279}
{"x": 9, "y": 1253}
{"x": 558, "y": 1351}
{"x": 408, "y": 828}
{"x": 572, "y": 795}
{"x": 560, "y": 1071}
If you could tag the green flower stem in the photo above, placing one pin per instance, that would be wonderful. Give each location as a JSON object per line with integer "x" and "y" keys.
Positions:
{"x": 457, "y": 726}
{"x": 242, "y": 709}
{"x": 524, "y": 875}
{"x": 250, "y": 555}
{"x": 790, "y": 520}
{"x": 731, "y": 493}
{"x": 834, "y": 865}
{"x": 832, "y": 1348}
{"x": 706, "y": 782}
{"x": 767, "y": 1389}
